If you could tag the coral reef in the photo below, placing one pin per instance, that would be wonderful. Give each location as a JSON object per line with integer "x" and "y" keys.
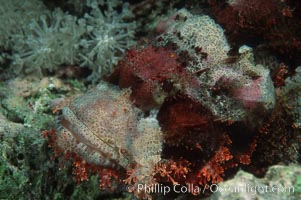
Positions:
{"x": 280, "y": 182}
{"x": 22, "y": 148}
{"x": 291, "y": 95}
{"x": 272, "y": 25}
{"x": 26, "y": 100}
{"x": 208, "y": 148}
{"x": 28, "y": 170}
{"x": 182, "y": 108}
{"x": 214, "y": 115}
{"x": 148, "y": 13}
{"x": 282, "y": 128}
{"x": 20, "y": 173}
{"x": 203, "y": 105}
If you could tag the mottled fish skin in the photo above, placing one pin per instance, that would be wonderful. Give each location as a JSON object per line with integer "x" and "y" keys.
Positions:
{"x": 83, "y": 134}
{"x": 100, "y": 126}
{"x": 105, "y": 128}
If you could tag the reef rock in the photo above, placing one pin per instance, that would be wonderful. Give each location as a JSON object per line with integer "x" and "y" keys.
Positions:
{"x": 280, "y": 182}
